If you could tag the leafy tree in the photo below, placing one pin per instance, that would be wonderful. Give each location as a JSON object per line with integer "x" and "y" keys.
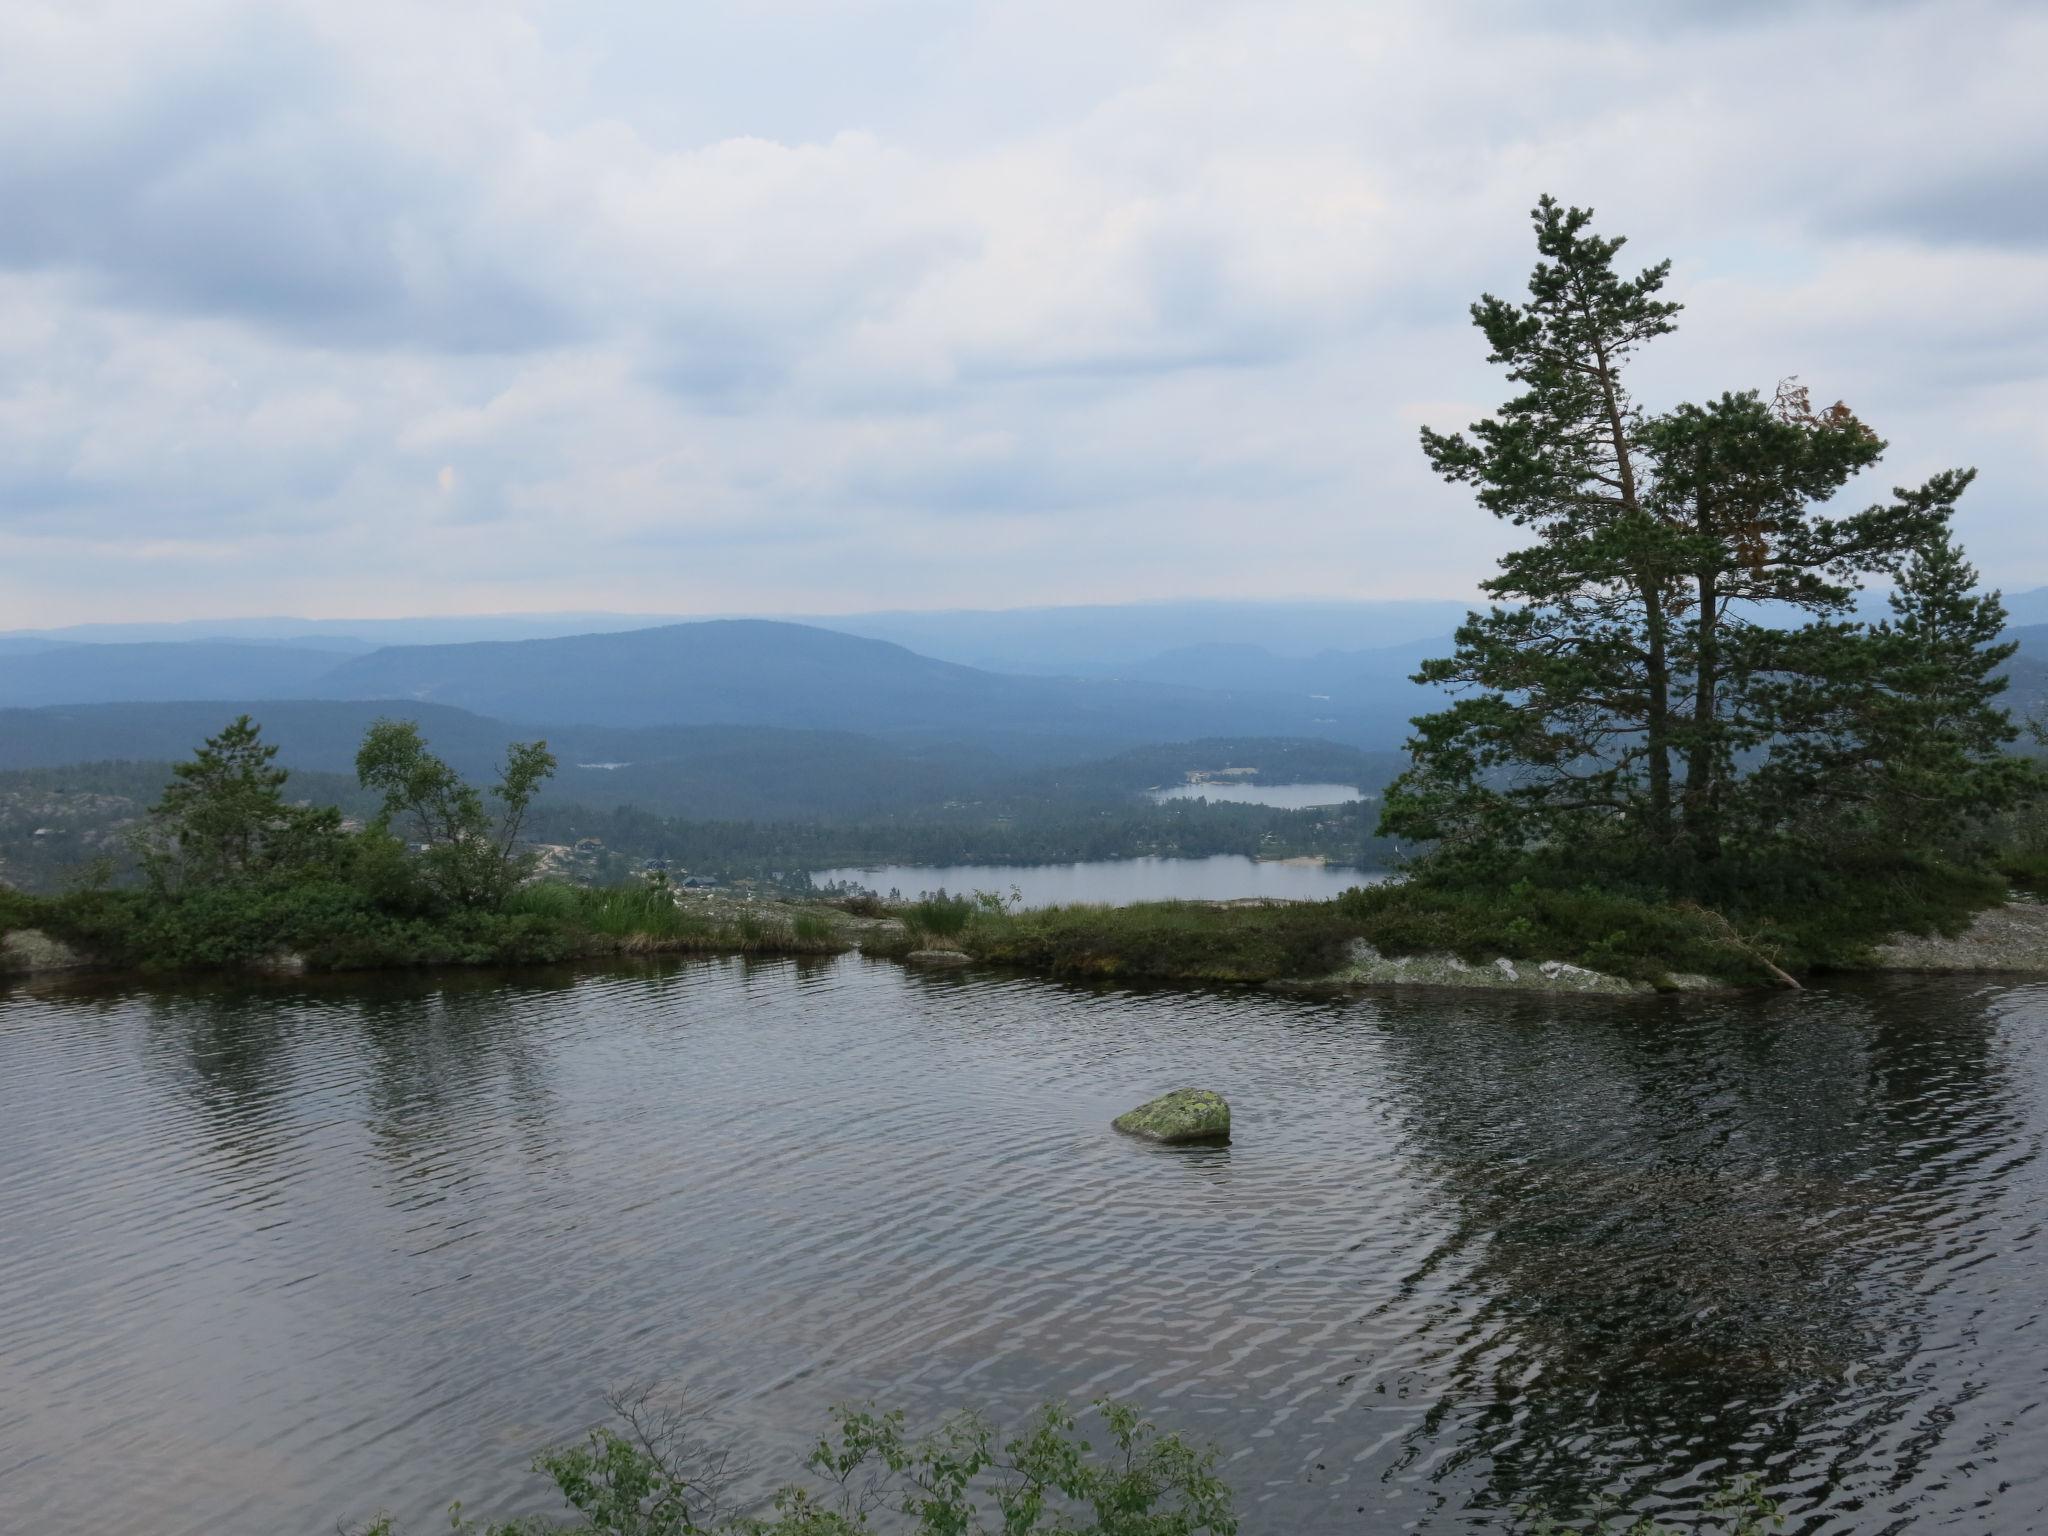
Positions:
{"x": 470, "y": 857}
{"x": 1683, "y": 613}
{"x": 223, "y": 817}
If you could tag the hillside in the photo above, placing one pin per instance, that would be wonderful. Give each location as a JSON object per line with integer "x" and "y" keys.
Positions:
{"x": 758, "y": 672}
{"x": 161, "y": 670}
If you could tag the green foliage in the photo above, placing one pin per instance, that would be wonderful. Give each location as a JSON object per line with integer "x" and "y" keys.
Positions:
{"x": 617, "y": 911}
{"x": 223, "y": 818}
{"x": 1181, "y": 941}
{"x": 469, "y": 857}
{"x": 1638, "y": 690}
{"x": 939, "y": 915}
{"x": 812, "y": 931}
{"x": 649, "y": 1476}
{"x": 1741, "y": 1508}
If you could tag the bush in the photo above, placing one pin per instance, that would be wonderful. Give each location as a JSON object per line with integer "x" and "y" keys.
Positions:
{"x": 651, "y": 1477}
{"x": 1187, "y": 941}
{"x": 939, "y": 916}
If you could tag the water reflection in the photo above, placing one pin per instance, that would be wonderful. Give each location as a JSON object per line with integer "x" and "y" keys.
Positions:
{"x": 277, "y": 1254}
{"x": 1694, "y": 1240}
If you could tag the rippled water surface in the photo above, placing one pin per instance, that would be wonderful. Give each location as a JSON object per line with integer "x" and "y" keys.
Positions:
{"x": 271, "y": 1258}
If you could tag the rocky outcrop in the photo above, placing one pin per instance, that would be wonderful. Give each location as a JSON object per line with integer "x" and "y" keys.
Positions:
{"x": 30, "y": 951}
{"x": 2011, "y": 938}
{"x": 938, "y": 959}
{"x": 1185, "y": 1117}
{"x": 1367, "y": 967}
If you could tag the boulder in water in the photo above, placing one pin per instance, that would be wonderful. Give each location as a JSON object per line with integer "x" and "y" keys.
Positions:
{"x": 1185, "y": 1117}
{"x": 938, "y": 959}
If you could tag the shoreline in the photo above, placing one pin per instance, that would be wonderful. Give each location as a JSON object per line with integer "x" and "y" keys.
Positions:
{"x": 2010, "y": 939}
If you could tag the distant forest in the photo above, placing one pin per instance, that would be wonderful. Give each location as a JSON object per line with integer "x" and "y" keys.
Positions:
{"x": 833, "y": 803}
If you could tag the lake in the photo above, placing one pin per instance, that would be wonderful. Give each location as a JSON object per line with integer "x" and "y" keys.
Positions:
{"x": 1116, "y": 882}
{"x": 1286, "y": 797}
{"x": 276, "y": 1255}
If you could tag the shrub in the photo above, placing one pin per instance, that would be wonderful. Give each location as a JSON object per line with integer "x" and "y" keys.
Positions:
{"x": 940, "y": 916}
{"x": 651, "y": 1477}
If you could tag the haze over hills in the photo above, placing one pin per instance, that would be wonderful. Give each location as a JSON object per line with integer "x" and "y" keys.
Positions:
{"x": 1091, "y": 640}
{"x": 757, "y": 672}
{"x": 600, "y": 694}
{"x": 160, "y": 670}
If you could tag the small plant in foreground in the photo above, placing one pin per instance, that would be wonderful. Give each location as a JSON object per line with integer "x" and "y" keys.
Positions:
{"x": 650, "y": 1475}
{"x": 1739, "y": 1508}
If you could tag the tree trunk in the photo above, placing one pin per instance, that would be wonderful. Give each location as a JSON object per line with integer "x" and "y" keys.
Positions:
{"x": 1657, "y": 728}
{"x": 1702, "y": 765}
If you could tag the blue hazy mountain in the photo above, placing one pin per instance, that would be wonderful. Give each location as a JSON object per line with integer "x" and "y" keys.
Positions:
{"x": 1107, "y": 640}
{"x": 761, "y": 672}
{"x": 160, "y": 670}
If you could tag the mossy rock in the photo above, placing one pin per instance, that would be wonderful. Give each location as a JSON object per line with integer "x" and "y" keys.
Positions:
{"x": 1185, "y": 1117}
{"x": 938, "y": 959}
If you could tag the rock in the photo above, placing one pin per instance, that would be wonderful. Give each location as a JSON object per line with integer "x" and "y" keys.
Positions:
{"x": 25, "y": 951}
{"x": 1185, "y": 1117}
{"x": 2013, "y": 937}
{"x": 938, "y": 959}
{"x": 1369, "y": 968}
{"x": 279, "y": 962}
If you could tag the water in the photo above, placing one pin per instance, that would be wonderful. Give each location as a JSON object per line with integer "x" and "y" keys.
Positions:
{"x": 1116, "y": 882}
{"x": 275, "y": 1256}
{"x": 1286, "y": 797}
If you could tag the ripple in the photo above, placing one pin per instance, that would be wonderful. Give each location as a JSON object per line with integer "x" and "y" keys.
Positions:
{"x": 277, "y": 1256}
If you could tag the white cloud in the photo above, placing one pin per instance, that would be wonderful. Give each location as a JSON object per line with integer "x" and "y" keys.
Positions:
{"x": 799, "y": 306}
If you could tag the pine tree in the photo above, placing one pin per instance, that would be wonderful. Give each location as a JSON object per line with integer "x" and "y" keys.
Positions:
{"x": 223, "y": 817}
{"x": 1684, "y": 610}
{"x": 1911, "y": 746}
{"x": 1573, "y": 679}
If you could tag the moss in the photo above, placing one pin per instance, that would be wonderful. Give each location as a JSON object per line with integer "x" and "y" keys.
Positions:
{"x": 1185, "y": 1117}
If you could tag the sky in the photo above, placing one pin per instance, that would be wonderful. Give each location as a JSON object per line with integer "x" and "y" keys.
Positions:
{"x": 378, "y": 308}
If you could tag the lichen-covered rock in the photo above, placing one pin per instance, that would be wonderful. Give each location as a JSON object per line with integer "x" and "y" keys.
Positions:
{"x": 938, "y": 959}
{"x": 25, "y": 951}
{"x": 2013, "y": 937}
{"x": 1185, "y": 1117}
{"x": 1369, "y": 968}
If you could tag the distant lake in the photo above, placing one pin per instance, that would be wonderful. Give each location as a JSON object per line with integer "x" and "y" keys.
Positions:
{"x": 1116, "y": 882}
{"x": 1286, "y": 797}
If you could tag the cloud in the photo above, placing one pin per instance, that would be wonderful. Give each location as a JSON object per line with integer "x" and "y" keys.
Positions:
{"x": 795, "y": 306}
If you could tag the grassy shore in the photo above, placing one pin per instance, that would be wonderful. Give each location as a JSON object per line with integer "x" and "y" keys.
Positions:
{"x": 1757, "y": 941}
{"x": 1760, "y": 936}
{"x": 331, "y": 928}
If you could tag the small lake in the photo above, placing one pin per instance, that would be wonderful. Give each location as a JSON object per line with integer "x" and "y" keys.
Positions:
{"x": 1285, "y": 797}
{"x": 275, "y": 1256}
{"x": 1116, "y": 882}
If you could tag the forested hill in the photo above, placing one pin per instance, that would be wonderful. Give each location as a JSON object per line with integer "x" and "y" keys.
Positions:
{"x": 756, "y": 672}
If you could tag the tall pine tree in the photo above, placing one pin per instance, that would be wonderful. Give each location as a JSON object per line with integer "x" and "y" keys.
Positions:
{"x": 1684, "y": 611}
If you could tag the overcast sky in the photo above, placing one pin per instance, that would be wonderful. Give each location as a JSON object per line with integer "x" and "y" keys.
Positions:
{"x": 377, "y": 307}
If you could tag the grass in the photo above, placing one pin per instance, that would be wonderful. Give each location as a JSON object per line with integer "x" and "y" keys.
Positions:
{"x": 333, "y": 926}
{"x": 1786, "y": 915}
{"x": 1774, "y": 919}
{"x": 645, "y": 919}
{"x": 1181, "y": 941}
